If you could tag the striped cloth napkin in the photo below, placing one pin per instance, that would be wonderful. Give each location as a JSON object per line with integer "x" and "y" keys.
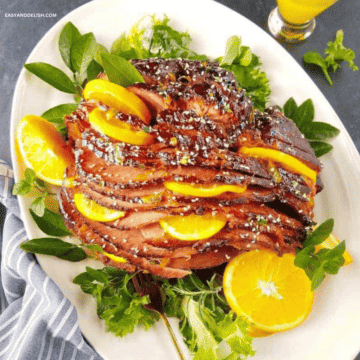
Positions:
{"x": 36, "y": 321}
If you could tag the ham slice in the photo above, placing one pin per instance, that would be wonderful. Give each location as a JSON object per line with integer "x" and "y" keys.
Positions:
{"x": 200, "y": 121}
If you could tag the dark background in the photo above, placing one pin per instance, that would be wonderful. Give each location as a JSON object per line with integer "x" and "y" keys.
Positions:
{"x": 18, "y": 36}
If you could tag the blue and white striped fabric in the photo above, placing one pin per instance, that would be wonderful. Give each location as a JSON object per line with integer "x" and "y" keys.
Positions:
{"x": 37, "y": 322}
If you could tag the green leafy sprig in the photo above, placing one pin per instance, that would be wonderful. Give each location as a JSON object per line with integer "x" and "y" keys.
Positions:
{"x": 161, "y": 40}
{"x": 206, "y": 320}
{"x": 86, "y": 59}
{"x": 55, "y": 247}
{"x": 314, "y": 131}
{"x": 152, "y": 37}
{"x": 336, "y": 52}
{"x": 246, "y": 67}
{"x": 48, "y": 221}
{"x": 118, "y": 304}
{"x": 317, "y": 263}
{"x": 210, "y": 329}
{"x": 30, "y": 182}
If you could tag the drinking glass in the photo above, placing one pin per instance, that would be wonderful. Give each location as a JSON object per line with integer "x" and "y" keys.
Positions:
{"x": 294, "y": 20}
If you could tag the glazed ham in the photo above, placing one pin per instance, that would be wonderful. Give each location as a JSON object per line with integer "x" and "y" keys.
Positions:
{"x": 204, "y": 130}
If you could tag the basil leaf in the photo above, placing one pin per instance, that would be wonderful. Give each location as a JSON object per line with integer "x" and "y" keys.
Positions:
{"x": 57, "y": 113}
{"x": 52, "y": 75}
{"x": 289, "y": 108}
{"x": 320, "y": 234}
{"x": 38, "y": 205}
{"x": 232, "y": 51}
{"x": 83, "y": 51}
{"x": 120, "y": 71}
{"x": 51, "y": 223}
{"x": 54, "y": 247}
{"x": 21, "y": 188}
{"x": 93, "y": 70}
{"x": 320, "y": 148}
{"x": 320, "y": 131}
{"x": 69, "y": 34}
{"x": 304, "y": 114}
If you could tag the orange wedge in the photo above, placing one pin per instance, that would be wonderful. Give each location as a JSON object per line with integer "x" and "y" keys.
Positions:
{"x": 106, "y": 123}
{"x": 43, "y": 149}
{"x": 93, "y": 211}
{"x": 202, "y": 190}
{"x": 193, "y": 227}
{"x": 269, "y": 291}
{"x": 117, "y": 97}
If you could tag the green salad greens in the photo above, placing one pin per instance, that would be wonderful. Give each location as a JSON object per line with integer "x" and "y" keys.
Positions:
{"x": 335, "y": 52}
{"x": 210, "y": 328}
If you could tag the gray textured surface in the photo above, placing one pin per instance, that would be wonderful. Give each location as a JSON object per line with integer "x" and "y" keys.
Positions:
{"x": 18, "y": 36}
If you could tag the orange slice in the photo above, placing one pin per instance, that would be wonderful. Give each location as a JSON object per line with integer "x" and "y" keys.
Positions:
{"x": 193, "y": 227}
{"x": 106, "y": 123}
{"x": 289, "y": 162}
{"x": 330, "y": 243}
{"x": 117, "y": 97}
{"x": 43, "y": 149}
{"x": 202, "y": 190}
{"x": 93, "y": 211}
{"x": 269, "y": 291}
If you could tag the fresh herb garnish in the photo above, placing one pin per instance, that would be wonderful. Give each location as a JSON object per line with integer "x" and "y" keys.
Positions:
{"x": 78, "y": 52}
{"x": 69, "y": 34}
{"x": 55, "y": 247}
{"x": 151, "y": 37}
{"x": 314, "y": 131}
{"x": 50, "y": 223}
{"x": 210, "y": 329}
{"x": 246, "y": 67}
{"x": 118, "y": 304}
{"x": 160, "y": 40}
{"x": 52, "y": 75}
{"x": 93, "y": 70}
{"x": 56, "y": 116}
{"x": 120, "y": 71}
{"x": 31, "y": 182}
{"x": 336, "y": 52}
{"x": 317, "y": 263}
{"x": 83, "y": 50}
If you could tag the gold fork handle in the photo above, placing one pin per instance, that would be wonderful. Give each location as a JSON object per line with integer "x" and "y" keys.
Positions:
{"x": 173, "y": 338}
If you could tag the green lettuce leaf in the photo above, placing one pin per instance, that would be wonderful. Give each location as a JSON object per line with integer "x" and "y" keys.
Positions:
{"x": 118, "y": 304}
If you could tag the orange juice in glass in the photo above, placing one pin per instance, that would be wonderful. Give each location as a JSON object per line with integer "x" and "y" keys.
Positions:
{"x": 294, "y": 20}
